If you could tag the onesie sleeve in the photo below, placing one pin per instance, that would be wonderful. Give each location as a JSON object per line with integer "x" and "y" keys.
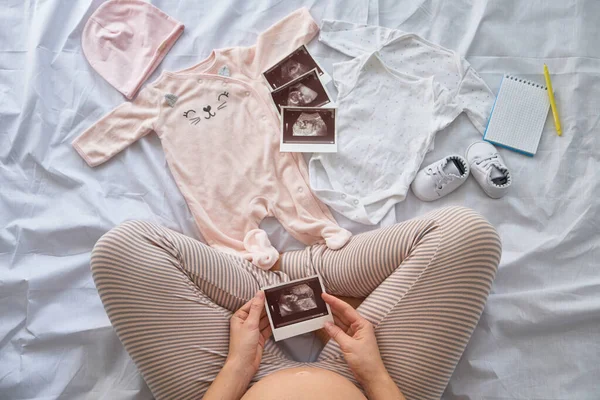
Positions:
{"x": 119, "y": 128}
{"x": 353, "y": 39}
{"x": 475, "y": 97}
{"x": 345, "y": 76}
{"x": 283, "y": 37}
{"x": 445, "y": 107}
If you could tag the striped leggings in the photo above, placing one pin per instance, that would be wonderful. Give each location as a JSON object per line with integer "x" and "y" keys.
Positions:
{"x": 170, "y": 297}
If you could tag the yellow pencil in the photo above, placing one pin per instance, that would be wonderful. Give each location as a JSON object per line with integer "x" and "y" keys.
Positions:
{"x": 552, "y": 101}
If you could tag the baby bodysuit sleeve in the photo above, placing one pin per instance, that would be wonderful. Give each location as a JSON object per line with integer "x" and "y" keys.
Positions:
{"x": 445, "y": 107}
{"x": 475, "y": 97}
{"x": 345, "y": 75}
{"x": 119, "y": 128}
{"x": 283, "y": 37}
{"x": 352, "y": 39}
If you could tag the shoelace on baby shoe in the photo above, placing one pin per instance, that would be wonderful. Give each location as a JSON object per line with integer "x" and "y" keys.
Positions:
{"x": 441, "y": 178}
{"x": 489, "y": 162}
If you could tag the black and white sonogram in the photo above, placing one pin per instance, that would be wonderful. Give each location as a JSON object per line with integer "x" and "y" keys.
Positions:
{"x": 292, "y": 69}
{"x": 295, "y": 302}
{"x": 308, "y": 125}
{"x": 305, "y": 91}
{"x": 296, "y": 64}
{"x": 296, "y": 299}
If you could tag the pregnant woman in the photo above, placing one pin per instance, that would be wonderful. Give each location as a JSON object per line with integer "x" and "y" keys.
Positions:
{"x": 192, "y": 318}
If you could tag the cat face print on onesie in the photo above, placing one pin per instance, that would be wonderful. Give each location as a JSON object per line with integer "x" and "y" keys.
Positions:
{"x": 208, "y": 111}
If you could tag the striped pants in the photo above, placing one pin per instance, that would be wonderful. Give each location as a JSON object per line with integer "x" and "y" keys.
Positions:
{"x": 170, "y": 297}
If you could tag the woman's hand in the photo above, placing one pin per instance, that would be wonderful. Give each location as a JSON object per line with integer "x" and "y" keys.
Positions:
{"x": 249, "y": 330}
{"x": 356, "y": 337}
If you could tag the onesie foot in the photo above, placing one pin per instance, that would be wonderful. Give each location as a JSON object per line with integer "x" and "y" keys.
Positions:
{"x": 260, "y": 251}
{"x": 335, "y": 237}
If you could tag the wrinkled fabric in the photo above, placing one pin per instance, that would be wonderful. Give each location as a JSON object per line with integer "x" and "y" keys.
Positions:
{"x": 220, "y": 136}
{"x": 538, "y": 336}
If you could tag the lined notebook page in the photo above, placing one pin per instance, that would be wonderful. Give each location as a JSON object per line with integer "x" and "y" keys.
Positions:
{"x": 518, "y": 115}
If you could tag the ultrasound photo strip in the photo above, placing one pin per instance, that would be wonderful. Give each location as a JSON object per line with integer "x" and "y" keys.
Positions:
{"x": 294, "y": 65}
{"x": 305, "y": 91}
{"x": 308, "y": 129}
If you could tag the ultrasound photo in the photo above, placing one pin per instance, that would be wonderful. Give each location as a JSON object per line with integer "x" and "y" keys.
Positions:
{"x": 308, "y": 125}
{"x": 306, "y": 91}
{"x": 295, "y": 302}
{"x": 291, "y": 67}
{"x": 300, "y": 95}
{"x": 296, "y": 299}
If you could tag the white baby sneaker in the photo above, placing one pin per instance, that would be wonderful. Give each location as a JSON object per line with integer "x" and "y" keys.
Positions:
{"x": 488, "y": 169}
{"x": 440, "y": 178}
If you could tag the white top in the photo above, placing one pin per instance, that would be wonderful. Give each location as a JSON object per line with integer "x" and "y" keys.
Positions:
{"x": 396, "y": 93}
{"x": 386, "y": 121}
{"x": 413, "y": 55}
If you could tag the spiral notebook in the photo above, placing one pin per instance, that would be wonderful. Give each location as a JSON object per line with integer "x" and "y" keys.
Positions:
{"x": 518, "y": 116}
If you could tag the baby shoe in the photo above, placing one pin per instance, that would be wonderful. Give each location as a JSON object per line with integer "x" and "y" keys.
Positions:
{"x": 489, "y": 169}
{"x": 440, "y": 178}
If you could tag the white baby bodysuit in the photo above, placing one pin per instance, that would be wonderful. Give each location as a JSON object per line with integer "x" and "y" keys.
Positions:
{"x": 386, "y": 120}
{"x": 413, "y": 55}
{"x": 385, "y": 125}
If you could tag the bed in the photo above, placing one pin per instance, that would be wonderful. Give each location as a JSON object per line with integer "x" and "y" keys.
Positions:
{"x": 539, "y": 335}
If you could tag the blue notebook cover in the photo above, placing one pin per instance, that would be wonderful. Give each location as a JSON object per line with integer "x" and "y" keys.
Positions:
{"x": 518, "y": 115}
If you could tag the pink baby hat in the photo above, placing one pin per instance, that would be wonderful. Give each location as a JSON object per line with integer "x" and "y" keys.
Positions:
{"x": 125, "y": 40}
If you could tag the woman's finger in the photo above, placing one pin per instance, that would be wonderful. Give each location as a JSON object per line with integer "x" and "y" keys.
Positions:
{"x": 264, "y": 322}
{"x": 342, "y": 308}
{"x": 336, "y": 333}
{"x": 266, "y": 332}
{"x": 242, "y": 313}
{"x": 340, "y": 317}
{"x": 258, "y": 304}
{"x": 340, "y": 323}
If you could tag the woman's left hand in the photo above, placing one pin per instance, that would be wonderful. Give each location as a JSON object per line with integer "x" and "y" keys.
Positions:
{"x": 249, "y": 330}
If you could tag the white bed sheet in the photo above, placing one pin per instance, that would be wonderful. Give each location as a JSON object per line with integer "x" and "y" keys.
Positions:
{"x": 539, "y": 335}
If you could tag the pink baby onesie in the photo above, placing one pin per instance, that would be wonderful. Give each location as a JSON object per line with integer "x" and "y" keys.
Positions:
{"x": 220, "y": 135}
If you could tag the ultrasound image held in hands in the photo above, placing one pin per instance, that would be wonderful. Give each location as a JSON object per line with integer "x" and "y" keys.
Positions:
{"x": 297, "y": 299}
{"x": 294, "y": 304}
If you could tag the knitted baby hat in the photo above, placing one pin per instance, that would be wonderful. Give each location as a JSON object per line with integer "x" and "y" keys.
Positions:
{"x": 125, "y": 40}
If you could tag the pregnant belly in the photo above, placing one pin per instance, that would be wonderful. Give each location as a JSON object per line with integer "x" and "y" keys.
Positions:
{"x": 303, "y": 384}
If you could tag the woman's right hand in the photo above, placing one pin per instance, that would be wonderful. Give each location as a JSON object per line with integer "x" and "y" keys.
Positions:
{"x": 356, "y": 337}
